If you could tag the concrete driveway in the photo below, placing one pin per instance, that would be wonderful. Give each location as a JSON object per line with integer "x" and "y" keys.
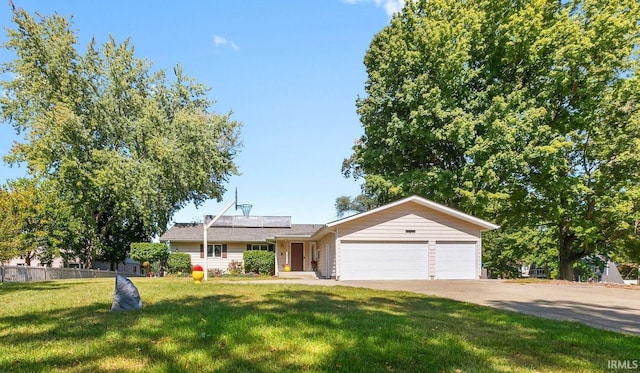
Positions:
{"x": 611, "y": 308}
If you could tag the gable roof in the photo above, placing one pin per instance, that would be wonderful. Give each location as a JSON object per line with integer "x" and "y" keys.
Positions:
{"x": 482, "y": 224}
{"x": 194, "y": 232}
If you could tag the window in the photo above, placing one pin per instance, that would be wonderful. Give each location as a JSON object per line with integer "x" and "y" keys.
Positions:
{"x": 214, "y": 251}
{"x": 261, "y": 247}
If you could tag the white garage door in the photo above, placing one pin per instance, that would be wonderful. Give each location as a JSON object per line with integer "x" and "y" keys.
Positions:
{"x": 455, "y": 260}
{"x": 383, "y": 261}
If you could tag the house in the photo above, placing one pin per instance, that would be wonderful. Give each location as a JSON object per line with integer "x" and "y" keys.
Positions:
{"x": 20, "y": 261}
{"x": 230, "y": 236}
{"x": 412, "y": 238}
{"x": 129, "y": 266}
{"x": 533, "y": 271}
{"x": 606, "y": 273}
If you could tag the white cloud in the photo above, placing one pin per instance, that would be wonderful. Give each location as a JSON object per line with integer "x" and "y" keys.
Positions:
{"x": 390, "y": 6}
{"x": 222, "y": 42}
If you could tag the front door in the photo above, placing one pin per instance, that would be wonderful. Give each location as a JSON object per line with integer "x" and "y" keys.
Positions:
{"x": 296, "y": 256}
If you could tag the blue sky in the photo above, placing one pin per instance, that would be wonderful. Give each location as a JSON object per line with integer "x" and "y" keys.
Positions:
{"x": 289, "y": 70}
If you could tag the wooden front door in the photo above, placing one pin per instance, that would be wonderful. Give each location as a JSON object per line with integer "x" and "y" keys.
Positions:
{"x": 297, "y": 256}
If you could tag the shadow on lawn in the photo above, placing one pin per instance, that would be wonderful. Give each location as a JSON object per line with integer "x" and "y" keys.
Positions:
{"x": 609, "y": 318}
{"x": 291, "y": 328}
{"x": 11, "y": 287}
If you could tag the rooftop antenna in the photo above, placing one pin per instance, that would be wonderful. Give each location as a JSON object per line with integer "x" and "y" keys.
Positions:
{"x": 245, "y": 207}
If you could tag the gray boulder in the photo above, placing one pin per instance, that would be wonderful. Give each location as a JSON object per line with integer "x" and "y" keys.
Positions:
{"x": 126, "y": 296}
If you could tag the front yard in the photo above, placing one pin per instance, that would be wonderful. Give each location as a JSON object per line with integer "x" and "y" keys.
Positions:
{"x": 227, "y": 327}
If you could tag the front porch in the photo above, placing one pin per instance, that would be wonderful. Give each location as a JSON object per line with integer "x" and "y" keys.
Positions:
{"x": 299, "y": 256}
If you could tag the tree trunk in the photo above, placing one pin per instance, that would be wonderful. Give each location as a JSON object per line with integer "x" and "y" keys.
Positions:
{"x": 566, "y": 258}
{"x": 566, "y": 267}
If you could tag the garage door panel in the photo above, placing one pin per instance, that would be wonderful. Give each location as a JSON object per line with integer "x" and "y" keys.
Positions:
{"x": 455, "y": 260}
{"x": 386, "y": 261}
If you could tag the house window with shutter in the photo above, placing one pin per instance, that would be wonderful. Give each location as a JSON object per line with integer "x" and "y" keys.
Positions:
{"x": 216, "y": 251}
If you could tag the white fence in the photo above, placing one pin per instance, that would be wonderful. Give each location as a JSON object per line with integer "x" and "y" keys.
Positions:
{"x": 25, "y": 273}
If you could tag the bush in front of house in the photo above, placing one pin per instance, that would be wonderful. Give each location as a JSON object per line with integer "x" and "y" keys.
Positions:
{"x": 262, "y": 262}
{"x": 235, "y": 267}
{"x": 179, "y": 262}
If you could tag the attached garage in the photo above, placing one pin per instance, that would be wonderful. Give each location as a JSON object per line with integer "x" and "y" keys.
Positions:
{"x": 455, "y": 261}
{"x": 384, "y": 261}
{"x": 410, "y": 239}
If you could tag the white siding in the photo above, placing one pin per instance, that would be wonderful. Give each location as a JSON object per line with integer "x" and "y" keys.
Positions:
{"x": 410, "y": 222}
{"x": 393, "y": 224}
{"x": 234, "y": 252}
{"x": 327, "y": 261}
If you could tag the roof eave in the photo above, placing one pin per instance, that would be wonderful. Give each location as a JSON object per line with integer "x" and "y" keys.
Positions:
{"x": 485, "y": 225}
{"x": 292, "y": 236}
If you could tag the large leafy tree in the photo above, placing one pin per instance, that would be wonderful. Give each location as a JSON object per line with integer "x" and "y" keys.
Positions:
{"x": 123, "y": 145}
{"x": 524, "y": 112}
{"x": 9, "y": 227}
{"x": 42, "y": 224}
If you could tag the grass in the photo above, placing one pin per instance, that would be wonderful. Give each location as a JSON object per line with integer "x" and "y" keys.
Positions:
{"x": 230, "y": 327}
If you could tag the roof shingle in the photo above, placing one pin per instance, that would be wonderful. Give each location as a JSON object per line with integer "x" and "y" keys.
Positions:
{"x": 193, "y": 232}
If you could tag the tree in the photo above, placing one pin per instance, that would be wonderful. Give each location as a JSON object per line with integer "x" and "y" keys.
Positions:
{"x": 524, "y": 112}
{"x": 124, "y": 146}
{"x": 9, "y": 229}
{"x": 41, "y": 223}
{"x": 150, "y": 252}
{"x": 357, "y": 204}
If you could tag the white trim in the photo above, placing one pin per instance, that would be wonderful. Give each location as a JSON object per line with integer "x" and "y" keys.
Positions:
{"x": 327, "y": 249}
{"x": 213, "y": 250}
{"x": 426, "y": 203}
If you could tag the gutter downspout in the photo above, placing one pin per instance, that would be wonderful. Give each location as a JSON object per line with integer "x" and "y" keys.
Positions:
{"x": 205, "y": 239}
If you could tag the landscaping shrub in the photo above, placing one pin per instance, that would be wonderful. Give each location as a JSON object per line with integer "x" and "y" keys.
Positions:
{"x": 235, "y": 267}
{"x": 155, "y": 269}
{"x": 262, "y": 262}
{"x": 150, "y": 252}
{"x": 179, "y": 262}
{"x": 215, "y": 272}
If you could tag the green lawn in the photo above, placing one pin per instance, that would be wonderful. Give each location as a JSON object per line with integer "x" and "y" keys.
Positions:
{"x": 67, "y": 326}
